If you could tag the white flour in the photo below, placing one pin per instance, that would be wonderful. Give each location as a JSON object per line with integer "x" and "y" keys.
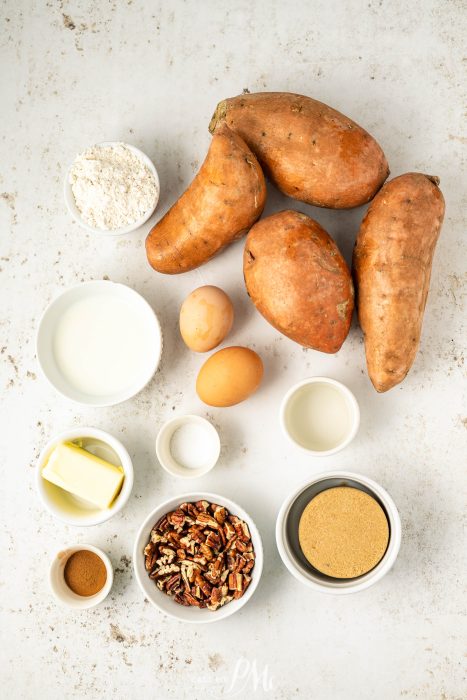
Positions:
{"x": 112, "y": 187}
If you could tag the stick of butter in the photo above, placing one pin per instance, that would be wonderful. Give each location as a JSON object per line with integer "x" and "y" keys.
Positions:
{"x": 83, "y": 474}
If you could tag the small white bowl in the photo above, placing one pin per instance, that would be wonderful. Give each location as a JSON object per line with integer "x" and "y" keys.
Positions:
{"x": 294, "y": 423}
{"x": 70, "y": 509}
{"x": 74, "y": 211}
{"x": 65, "y": 595}
{"x": 164, "y": 602}
{"x": 211, "y": 448}
{"x": 287, "y": 533}
{"x": 49, "y": 324}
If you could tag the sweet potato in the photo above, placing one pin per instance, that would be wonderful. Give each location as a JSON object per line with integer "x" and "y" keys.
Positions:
{"x": 223, "y": 201}
{"x": 309, "y": 150}
{"x": 392, "y": 267}
{"x": 298, "y": 280}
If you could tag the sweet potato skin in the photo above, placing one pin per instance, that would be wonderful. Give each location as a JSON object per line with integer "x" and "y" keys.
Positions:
{"x": 225, "y": 198}
{"x": 309, "y": 150}
{"x": 392, "y": 263}
{"x": 299, "y": 281}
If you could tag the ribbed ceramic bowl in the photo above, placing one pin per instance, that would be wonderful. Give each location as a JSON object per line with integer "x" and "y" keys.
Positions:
{"x": 47, "y": 330}
{"x": 287, "y": 533}
{"x": 164, "y": 602}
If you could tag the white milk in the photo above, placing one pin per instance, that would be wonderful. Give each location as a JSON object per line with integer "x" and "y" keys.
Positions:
{"x": 100, "y": 345}
{"x": 318, "y": 417}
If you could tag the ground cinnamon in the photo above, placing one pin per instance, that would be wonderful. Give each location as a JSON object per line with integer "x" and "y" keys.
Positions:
{"x": 85, "y": 573}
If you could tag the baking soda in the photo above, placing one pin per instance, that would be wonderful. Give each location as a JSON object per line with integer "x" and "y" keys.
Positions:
{"x": 192, "y": 446}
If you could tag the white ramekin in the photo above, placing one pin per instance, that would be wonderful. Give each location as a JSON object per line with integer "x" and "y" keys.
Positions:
{"x": 164, "y": 602}
{"x": 47, "y": 328}
{"x": 165, "y": 457}
{"x": 287, "y": 533}
{"x": 352, "y": 406}
{"x": 76, "y": 214}
{"x": 63, "y": 594}
{"x": 65, "y": 507}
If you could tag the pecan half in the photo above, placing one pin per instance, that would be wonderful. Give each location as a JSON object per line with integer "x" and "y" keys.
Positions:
{"x": 207, "y": 520}
{"x": 202, "y": 505}
{"x": 220, "y": 514}
{"x": 177, "y": 518}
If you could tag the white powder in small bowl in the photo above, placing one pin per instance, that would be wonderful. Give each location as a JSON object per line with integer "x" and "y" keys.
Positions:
{"x": 192, "y": 446}
{"x": 112, "y": 187}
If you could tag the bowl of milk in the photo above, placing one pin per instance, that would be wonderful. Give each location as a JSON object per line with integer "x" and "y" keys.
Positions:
{"x": 99, "y": 343}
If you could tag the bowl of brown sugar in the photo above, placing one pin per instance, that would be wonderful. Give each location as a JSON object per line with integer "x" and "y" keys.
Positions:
{"x": 81, "y": 577}
{"x": 339, "y": 533}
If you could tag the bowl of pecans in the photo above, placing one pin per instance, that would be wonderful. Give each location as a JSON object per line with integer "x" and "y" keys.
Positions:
{"x": 198, "y": 557}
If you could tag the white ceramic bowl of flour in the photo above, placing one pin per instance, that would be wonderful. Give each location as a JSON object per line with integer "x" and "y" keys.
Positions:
{"x": 188, "y": 446}
{"x": 112, "y": 188}
{"x": 99, "y": 343}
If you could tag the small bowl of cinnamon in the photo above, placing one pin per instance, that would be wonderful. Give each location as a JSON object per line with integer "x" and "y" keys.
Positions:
{"x": 81, "y": 576}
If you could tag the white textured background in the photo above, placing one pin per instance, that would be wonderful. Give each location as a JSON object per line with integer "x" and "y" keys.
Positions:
{"x": 151, "y": 73}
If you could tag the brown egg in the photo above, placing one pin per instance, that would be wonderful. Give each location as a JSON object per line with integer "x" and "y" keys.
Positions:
{"x": 229, "y": 376}
{"x": 206, "y": 317}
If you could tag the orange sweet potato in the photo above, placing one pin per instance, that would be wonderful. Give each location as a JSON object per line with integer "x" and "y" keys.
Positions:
{"x": 392, "y": 266}
{"x": 223, "y": 201}
{"x": 298, "y": 280}
{"x": 309, "y": 150}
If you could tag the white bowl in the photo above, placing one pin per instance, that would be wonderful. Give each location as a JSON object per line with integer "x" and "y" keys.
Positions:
{"x": 69, "y": 508}
{"x": 74, "y": 211}
{"x": 293, "y": 427}
{"x": 164, "y": 602}
{"x": 287, "y": 533}
{"x": 210, "y": 453}
{"x": 48, "y": 326}
{"x": 63, "y": 594}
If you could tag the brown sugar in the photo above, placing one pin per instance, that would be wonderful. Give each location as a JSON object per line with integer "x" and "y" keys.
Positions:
{"x": 85, "y": 573}
{"x": 343, "y": 532}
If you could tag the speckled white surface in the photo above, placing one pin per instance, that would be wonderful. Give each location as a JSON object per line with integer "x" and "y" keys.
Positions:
{"x": 151, "y": 73}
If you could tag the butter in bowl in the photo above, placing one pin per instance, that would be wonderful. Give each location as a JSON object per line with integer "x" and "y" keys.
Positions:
{"x": 84, "y": 476}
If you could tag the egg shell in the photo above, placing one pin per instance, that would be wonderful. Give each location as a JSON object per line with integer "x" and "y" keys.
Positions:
{"x": 229, "y": 376}
{"x": 206, "y": 317}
